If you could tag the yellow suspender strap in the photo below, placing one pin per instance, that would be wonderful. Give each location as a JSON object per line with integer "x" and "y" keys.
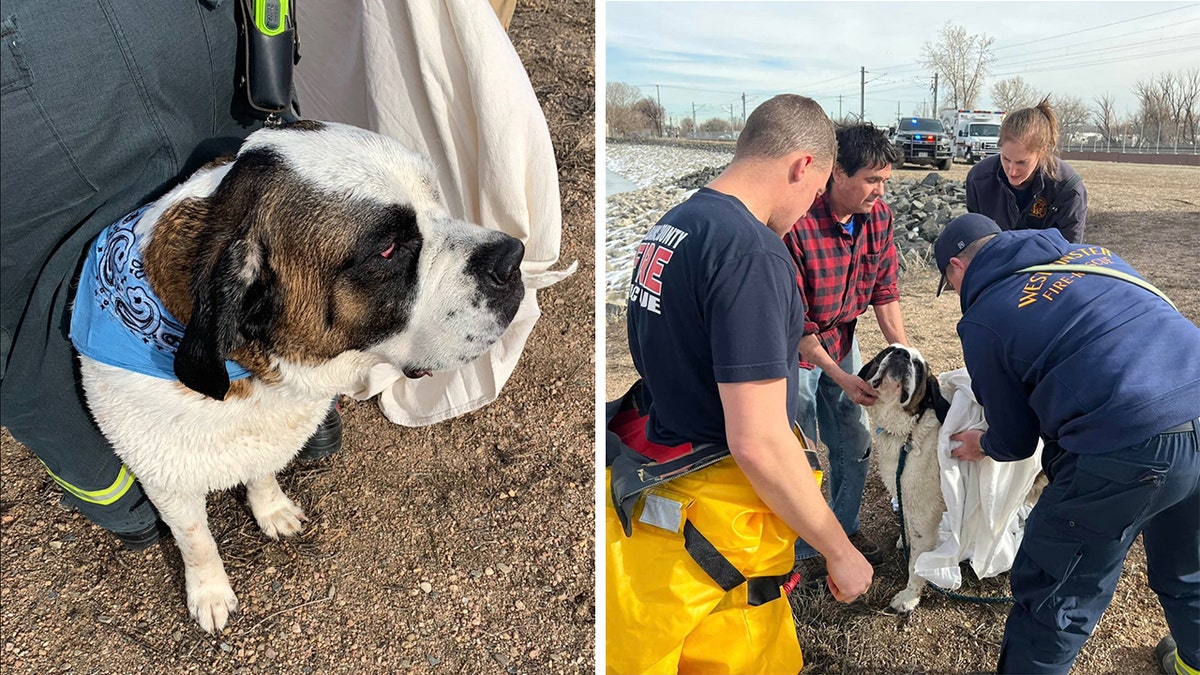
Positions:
{"x": 1182, "y": 668}
{"x": 1104, "y": 271}
{"x": 103, "y": 496}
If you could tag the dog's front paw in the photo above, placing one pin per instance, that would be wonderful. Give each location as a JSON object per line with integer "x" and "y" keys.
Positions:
{"x": 282, "y": 518}
{"x": 211, "y": 601}
{"x": 906, "y": 600}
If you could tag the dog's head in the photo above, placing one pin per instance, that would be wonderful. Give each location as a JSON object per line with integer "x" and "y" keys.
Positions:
{"x": 902, "y": 377}
{"x": 319, "y": 239}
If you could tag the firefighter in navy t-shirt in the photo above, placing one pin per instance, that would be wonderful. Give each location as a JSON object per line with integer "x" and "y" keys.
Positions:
{"x": 714, "y": 323}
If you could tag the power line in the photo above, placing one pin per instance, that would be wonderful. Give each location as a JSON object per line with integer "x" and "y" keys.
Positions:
{"x": 1085, "y": 30}
{"x": 1045, "y": 60}
{"x": 1103, "y": 39}
{"x": 911, "y": 66}
{"x": 1123, "y": 59}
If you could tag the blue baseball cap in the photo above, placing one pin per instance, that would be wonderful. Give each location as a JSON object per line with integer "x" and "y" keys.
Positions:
{"x": 959, "y": 234}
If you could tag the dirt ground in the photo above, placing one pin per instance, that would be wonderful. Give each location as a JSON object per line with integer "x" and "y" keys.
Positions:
{"x": 1148, "y": 215}
{"x": 463, "y": 547}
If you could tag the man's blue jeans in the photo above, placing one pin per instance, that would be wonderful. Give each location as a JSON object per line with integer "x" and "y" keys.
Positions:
{"x": 843, "y": 427}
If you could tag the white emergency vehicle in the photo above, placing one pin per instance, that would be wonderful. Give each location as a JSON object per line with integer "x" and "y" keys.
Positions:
{"x": 976, "y": 133}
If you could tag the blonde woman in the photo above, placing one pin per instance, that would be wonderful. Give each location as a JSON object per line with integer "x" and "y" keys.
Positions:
{"x": 1026, "y": 186}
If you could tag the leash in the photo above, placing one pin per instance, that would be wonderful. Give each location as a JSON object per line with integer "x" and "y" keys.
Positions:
{"x": 979, "y": 599}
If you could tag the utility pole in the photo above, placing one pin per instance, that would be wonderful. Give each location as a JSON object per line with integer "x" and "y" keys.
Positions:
{"x": 695, "y": 125}
{"x": 862, "y": 94}
{"x": 658, "y": 113}
{"x": 897, "y": 113}
{"x": 839, "y": 107}
{"x": 935, "y": 88}
{"x": 731, "y": 117}
{"x": 744, "y": 108}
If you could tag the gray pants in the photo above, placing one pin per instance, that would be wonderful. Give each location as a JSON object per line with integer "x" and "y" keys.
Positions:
{"x": 104, "y": 105}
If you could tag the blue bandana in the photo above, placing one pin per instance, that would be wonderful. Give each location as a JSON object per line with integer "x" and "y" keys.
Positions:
{"x": 117, "y": 319}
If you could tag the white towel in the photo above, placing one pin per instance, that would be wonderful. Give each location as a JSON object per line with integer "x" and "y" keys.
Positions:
{"x": 985, "y": 500}
{"x": 442, "y": 77}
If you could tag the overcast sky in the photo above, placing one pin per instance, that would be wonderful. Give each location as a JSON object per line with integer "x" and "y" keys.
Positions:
{"x": 709, "y": 53}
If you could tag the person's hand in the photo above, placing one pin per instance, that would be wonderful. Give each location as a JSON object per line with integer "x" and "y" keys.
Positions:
{"x": 849, "y": 576}
{"x": 970, "y": 450}
{"x": 858, "y": 390}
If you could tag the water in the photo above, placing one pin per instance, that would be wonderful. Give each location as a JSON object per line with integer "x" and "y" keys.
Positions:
{"x": 615, "y": 183}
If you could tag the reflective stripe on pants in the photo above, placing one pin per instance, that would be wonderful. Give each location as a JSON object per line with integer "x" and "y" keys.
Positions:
{"x": 104, "y": 496}
{"x": 666, "y": 615}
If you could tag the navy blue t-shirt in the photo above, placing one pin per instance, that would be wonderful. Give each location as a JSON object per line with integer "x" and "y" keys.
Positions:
{"x": 713, "y": 299}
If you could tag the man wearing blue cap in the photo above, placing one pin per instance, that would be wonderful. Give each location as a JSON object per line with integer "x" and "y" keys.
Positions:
{"x": 1065, "y": 341}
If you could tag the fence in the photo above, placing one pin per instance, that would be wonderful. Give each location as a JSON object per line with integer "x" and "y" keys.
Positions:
{"x": 1107, "y": 146}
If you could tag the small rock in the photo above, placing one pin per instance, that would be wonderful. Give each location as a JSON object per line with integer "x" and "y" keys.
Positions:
{"x": 225, "y": 647}
{"x": 501, "y": 658}
{"x": 425, "y": 586}
{"x": 433, "y": 660}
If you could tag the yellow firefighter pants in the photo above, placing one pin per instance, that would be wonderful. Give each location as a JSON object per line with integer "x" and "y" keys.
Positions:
{"x": 665, "y": 615}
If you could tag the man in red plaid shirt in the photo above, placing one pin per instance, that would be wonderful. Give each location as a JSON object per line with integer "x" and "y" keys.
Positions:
{"x": 846, "y": 260}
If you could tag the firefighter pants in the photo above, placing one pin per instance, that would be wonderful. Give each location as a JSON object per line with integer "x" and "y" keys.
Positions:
{"x": 665, "y": 614}
{"x": 104, "y": 105}
{"x": 1076, "y": 540}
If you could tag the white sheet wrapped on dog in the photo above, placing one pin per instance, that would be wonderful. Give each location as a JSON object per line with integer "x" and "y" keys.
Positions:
{"x": 986, "y": 505}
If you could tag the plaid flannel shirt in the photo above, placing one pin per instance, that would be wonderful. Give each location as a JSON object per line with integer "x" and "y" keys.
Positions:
{"x": 840, "y": 275}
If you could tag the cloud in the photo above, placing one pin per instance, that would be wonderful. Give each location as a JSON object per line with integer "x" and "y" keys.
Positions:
{"x": 711, "y": 52}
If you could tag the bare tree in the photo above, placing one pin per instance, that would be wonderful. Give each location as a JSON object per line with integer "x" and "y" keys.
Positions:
{"x": 1105, "y": 116}
{"x": 1190, "y": 85}
{"x": 1153, "y": 114}
{"x": 715, "y": 124}
{"x": 619, "y": 99}
{"x": 1072, "y": 115}
{"x": 652, "y": 114}
{"x": 1014, "y": 93}
{"x": 962, "y": 60}
{"x": 1170, "y": 90}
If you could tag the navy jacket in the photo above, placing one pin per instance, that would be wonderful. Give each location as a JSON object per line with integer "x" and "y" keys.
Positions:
{"x": 1094, "y": 363}
{"x": 989, "y": 193}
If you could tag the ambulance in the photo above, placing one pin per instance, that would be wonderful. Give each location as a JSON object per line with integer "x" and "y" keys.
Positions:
{"x": 976, "y": 133}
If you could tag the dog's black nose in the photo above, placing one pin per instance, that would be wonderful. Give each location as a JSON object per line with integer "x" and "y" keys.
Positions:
{"x": 501, "y": 260}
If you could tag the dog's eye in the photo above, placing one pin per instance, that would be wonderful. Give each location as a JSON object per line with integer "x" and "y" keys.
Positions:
{"x": 389, "y": 251}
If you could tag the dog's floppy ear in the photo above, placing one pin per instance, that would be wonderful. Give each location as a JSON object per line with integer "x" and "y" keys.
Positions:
{"x": 933, "y": 397}
{"x": 916, "y": 392}
{"x": 868, "y": 371}
{"x": 231, "y": 303}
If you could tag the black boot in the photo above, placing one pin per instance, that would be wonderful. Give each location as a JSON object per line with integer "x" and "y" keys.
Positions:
{"x": 143, "y": 539}
{"x": 326, "y": 440}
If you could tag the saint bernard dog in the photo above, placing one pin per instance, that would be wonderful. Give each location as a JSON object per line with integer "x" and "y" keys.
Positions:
{"x": 320, "y": 251}
{"x": 906, "y": 412}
